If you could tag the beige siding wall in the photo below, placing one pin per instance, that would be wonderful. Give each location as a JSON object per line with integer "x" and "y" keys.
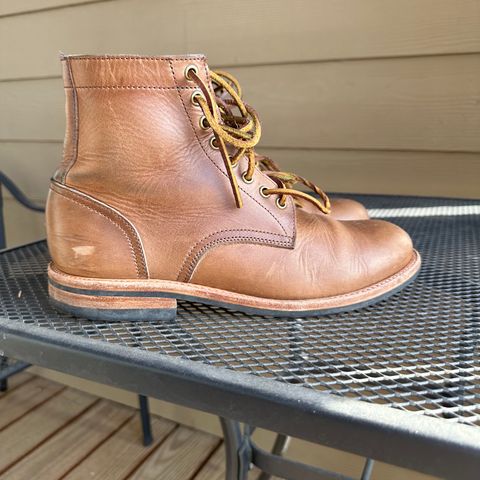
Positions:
{"x": 375, "y": 96}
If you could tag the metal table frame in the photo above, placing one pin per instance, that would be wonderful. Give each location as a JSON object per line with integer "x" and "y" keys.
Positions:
{"x": 7, "y": 369}
{"x": 413, "y": 441}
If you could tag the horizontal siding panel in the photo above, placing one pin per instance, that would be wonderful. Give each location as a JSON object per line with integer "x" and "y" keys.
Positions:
{"x": 30, "y": 165}
{"x": 306, "y": 30}
{"x": 236, "y": 33}
{"x": 429, "y": 103}
{"x": 22, "y": 225}
{"x": 402, "y": 173}
{"x": 15, "y": 7}
{"x": 32, "y": 110}
{"x": 396, "y": 173}
{"x": 390, "y": 104}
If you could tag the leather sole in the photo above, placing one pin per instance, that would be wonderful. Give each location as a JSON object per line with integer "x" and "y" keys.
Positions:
{"x": 151, "y": 300}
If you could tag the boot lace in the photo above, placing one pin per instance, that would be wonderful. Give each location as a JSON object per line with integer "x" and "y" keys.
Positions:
{"x": 236, "y": 124}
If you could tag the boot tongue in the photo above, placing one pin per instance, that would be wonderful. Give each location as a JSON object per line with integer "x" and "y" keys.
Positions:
{"x": 222, "y": 94}
{"x": 208, "y": 84}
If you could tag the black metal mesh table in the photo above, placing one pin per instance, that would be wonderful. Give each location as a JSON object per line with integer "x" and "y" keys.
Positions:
{"x": 417, "y": 351}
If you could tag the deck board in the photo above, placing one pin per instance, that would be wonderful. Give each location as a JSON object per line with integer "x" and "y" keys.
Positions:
{"x": 17, "y": 380}
{"x": 52, "y": 432}
{"x": 30, "y": 431}
{"x": 121, "y": 454}
{"x": 179, "y": 457}
{"x": 214, "y": 468}
{"x": 72, "y": 444}
{"x": 21, "y": 400}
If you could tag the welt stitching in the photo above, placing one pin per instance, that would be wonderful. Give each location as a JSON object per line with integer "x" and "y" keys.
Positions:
{"x": 81, "y": 203}
{"x": 208, "y": 156}
{"x": 203, "y": 239}
{"x": 233, "y": 239}
{"x": 374, "y": 286}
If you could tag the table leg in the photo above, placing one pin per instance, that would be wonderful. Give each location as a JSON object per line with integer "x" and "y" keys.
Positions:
{"x": 3, "y": 381}
{"x": 367, "y": 469}
{"x": 237, "y": 450}
{"x": 145, "y": 419}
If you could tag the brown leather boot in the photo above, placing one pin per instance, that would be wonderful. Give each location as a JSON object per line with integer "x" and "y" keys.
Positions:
{"x": 344, "y": 209}
{"x": 158, "y": 199}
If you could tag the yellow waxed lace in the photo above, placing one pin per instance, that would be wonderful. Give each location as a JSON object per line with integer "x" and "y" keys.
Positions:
{"x": 267, "y": 165}
{"x": 228, "y": 77}
{"x": 243, "y": 132}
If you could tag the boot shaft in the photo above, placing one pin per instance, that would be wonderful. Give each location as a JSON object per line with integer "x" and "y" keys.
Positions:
{"x": 137, "y": 157}
{"x": 125, "y": 113}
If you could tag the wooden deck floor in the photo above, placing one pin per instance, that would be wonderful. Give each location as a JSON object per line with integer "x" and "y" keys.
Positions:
{"x": 49, "y": 431}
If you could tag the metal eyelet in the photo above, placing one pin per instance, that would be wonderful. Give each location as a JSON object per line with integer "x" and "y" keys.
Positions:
{"x": 195, "y": 94}
{"x": 280, "y": 204}
{"x": 188, "y": 70}
{"x": 235, "y": 165}
{"x": 245, "y": 179}
{"x": 214, "y": 143}
{"x": 262, "y": 191}
{"x": 204, "y": 125}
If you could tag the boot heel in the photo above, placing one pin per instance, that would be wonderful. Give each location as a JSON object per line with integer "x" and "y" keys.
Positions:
{"x": 109, "y": 302}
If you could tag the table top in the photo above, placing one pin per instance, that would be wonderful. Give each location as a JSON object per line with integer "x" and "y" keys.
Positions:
{"x": 416, "y": 351}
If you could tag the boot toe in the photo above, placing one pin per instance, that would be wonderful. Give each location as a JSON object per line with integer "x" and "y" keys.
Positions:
{"x": 345, "y": 209}
{"x": 384, "y": 248}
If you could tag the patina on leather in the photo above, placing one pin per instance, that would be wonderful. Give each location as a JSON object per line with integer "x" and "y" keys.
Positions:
{"x": 148, "y": 190}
